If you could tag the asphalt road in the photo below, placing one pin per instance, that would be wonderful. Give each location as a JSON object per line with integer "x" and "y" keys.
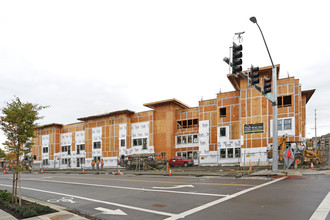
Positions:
{"x": 176, "y": 197}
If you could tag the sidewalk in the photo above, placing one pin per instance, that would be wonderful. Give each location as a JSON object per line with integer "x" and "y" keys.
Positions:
{"x": 291, "y": 172}
{"x": 5, "y": 216}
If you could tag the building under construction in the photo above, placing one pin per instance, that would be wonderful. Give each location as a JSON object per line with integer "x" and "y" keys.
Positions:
{"x": 232, "y": 128}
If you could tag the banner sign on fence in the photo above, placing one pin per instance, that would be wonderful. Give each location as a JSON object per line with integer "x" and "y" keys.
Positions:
{"x": 254, "y": 128}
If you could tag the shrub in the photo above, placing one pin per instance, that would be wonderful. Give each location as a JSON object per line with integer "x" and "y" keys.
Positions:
{"x": 5, "y": 196}
{"x": 28, "y": 213}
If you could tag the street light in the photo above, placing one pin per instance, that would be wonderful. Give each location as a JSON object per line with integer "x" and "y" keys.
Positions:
{"x": 274, "y": 75}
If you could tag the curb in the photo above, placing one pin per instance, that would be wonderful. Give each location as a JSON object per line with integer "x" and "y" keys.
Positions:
{"x": 61, "y": 214}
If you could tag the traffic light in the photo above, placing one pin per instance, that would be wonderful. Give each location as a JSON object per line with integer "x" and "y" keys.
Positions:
{"x": 254, "y": 75}
{"x": 237, "y": 61}
{"x": 267, "y": 85}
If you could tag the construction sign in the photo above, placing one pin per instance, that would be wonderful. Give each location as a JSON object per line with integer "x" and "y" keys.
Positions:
{"x": 288, "y": 157}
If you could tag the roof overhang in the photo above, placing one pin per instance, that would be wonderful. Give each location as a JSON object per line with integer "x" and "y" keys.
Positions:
{"x": 109, "y": 114}
{"x": 153, "y": 105}
{"x": 49, "y": 125}
{"x": 308, "y": 94}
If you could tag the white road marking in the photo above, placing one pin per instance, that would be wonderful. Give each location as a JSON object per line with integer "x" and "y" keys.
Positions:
{"x": 207, "y": 205}
{"x": 130, "y": 188}
{"x": 172, "y": 187}
{"x": 64, "y": 199}
{"x": 322, "y": 211}
{"x": 98, "y": 201}
{"x": 110, "y": 211}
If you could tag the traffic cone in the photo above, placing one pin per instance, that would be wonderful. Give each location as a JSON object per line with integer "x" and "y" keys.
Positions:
{"x": 295, "y": 164}
{"x": 312, "y": 166}
{"x": 4, "y": 171}
{"x": 118, "y": 171}
{"x": 42, "y": 171}
{"x": 170, "y": 174}
{"x": 83, "y": 171}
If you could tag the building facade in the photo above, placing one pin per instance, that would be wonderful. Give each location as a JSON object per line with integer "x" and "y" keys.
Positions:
{"x": 233, "y": 128}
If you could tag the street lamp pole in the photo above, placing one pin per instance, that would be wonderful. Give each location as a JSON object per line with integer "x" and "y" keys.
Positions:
{"x": 274, "y": 76}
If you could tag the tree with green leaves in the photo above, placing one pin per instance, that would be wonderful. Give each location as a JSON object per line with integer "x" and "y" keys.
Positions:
{"x": 2, "y": 154}
{"x": 18, "y": 123}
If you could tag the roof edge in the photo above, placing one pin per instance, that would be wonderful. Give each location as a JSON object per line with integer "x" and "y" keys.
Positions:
{"x": 174, "y": 101}
{"x": 120, "y": 112}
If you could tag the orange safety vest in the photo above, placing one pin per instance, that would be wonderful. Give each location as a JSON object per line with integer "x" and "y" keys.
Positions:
{"x": 93, "y": 163}
{"x": 102, "y": 162}
{"x": 98, "y": 162}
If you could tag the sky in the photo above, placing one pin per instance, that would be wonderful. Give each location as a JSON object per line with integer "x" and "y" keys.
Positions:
{"x": 89, "y": 57}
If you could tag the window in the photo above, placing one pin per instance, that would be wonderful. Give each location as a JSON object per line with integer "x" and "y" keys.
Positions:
{"x": 230, "y": 153}
{"x": 287, "y": 124}
{"x": 222, "y": 132}
{"x": 187, "y": 139}
{"x": 122, "y": 142}
{"x": 141, "y": 142}
{"x": 45, "y": 162}
{"x": 237, "y": 152}
{"x": 184, "y": 139}
{"x": 144, "y": 143}
{"x": 66, "y": 148}
{"x": 97, "y": 145}
{"x": 195, "y": 138}
{"x": 80, "y": 147}
{"x": 45, "y": 150}
{"x": 190, "y": 139}
{"x": 178, "y": 139}
{"x": 284, "y": 101}
{"x": 222, "y": 153}
{"x": 284, "y": 124}
{"x": 191, "y": 123}
{"x": 222, "y": 112}
{"x": 279, "y": 125}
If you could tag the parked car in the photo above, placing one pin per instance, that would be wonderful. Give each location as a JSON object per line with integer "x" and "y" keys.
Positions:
{"x": 180, "y": 161}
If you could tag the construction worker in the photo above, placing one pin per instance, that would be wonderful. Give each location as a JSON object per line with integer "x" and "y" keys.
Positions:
{"x": 93, "y": 164}
{"x": 102, "y": 163}
{"x": 98, "y": 164}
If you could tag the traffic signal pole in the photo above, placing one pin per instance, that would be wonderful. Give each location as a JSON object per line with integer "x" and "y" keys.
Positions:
{"x": 274, "y": 103}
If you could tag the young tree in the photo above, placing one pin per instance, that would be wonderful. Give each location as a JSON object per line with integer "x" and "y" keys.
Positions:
{"x": 18, "y": 123}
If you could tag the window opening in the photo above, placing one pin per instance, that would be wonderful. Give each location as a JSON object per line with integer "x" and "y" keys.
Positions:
{"x": 97, "y": 145}
{"x": 287, "y": 124}
{"x": 222, "y": 132}
{"x": 222, "y": 153}
{"x": 222, "y": 112}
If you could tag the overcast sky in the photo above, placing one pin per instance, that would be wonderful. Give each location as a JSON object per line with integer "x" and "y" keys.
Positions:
{"x": 88, "y": 57}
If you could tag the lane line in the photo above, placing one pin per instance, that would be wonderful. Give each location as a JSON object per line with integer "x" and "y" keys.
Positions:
{"x": 155, "y": 181}
{"x": 207, "y": 205}
{"x": 98, "y": 201}
{"x": 130, "y": 188}
{"x": 322, "y": 211}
